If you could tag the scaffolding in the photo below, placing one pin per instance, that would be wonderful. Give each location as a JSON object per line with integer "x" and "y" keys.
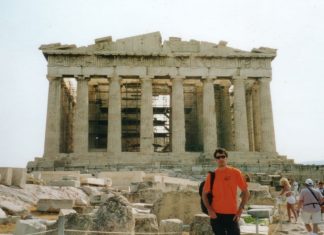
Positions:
{"x": 161, "y": 117}
{"x": 98, "y": 114}
{"x": 131, "y": 114}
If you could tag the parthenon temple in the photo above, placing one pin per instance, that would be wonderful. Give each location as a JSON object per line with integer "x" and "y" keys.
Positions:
{"x": 141, "y": 101}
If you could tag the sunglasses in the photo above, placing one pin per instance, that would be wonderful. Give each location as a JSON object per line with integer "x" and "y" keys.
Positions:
{"x": 220, "y": 157}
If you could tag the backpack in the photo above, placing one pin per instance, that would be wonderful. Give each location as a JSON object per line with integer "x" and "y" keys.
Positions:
{"x": 209, "y": 195}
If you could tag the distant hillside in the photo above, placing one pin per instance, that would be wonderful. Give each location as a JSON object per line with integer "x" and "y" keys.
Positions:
{"x": 313, "y": 162}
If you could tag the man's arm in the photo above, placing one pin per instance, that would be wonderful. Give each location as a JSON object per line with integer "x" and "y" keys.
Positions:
{"x": 211, "y": 212}
{"x": 245, "y": 195}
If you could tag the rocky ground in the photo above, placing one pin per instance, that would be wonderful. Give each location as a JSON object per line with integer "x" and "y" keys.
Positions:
{"x": 170, "y": 204}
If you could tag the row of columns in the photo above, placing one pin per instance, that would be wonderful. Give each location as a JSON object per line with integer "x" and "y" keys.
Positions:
{"x": 81, "y": 126}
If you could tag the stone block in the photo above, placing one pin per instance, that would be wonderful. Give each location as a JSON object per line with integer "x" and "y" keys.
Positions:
{"x": 12, "y": 208}
{"x": 260, "y": 213}
{"x": 93, "y": 181}
{"x": 3, "y": 215}
{"x": 201, "y": 225}
{"x": 66, "y": 183}
{"x": 64, "y": 212}
{"x": 146, "y": 223}
{"x": 124, "y": 178}
{"x": 19, "y": 176}
{"x": 250, "y": 229}
{"x": 48, "y": 176}
{"x": 171, "y": 226}
{"x": 29, "y": 226}
{"x": 54, "y": 205}
{"x": 6, "y": 175}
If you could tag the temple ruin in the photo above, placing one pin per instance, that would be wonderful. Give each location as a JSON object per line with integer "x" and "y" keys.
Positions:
{"x": 137, "y": 102}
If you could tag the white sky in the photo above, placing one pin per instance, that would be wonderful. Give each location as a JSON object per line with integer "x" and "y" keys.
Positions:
{"x": 294, "y": 27}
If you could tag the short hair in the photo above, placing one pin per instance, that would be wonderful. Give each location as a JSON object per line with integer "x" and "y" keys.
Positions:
{"x": 220, "y": 151}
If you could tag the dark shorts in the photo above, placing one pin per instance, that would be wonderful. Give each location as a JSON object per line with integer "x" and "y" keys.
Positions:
{"x": 224, "y": 225}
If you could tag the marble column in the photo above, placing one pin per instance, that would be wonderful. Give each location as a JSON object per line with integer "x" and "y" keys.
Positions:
{"x": 240, "y": 117}
{"x": 256, "y": 117}
{"x": 178, "y": 116}
{"x": 53, "y": 119}
{"x": 268, "y": 143}
{"x": 249, "y": 111}
{"x": 147, "y": 135}
{"x": 114, "y": 115}
{"x": 81, "y": 118}
{"x": 209, "y": 117}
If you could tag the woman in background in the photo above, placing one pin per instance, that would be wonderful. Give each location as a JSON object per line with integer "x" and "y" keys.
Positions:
{"x": 291, "y": 200}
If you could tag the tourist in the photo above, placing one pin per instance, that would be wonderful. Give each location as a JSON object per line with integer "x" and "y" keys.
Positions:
{"x": 295, "y": 187}
{"x": 223, "y": 211}
{"x": 290, "y": 197}
{"x": 321, "y": 187}
{"x": 310, "y": 200}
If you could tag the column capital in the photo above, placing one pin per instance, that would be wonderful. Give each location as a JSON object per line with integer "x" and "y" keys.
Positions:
{"x": 82, "y": 78}
{"x": 53, "y": 78}
{"x": 177, "y": 77}
{"x": 208, "y": 78}
{"x": 146, "y": 78}
{"x": 239, "y": 78}
{"x": 265, "y": 79}
{"x": 115, "y": 77}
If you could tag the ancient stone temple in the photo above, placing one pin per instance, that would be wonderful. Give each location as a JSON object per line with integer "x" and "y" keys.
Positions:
{"x": 139, "y": 101}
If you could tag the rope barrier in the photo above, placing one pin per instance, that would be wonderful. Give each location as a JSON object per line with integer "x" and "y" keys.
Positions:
{"x": 43, "y": 232}
{"x": 126, "y": 233}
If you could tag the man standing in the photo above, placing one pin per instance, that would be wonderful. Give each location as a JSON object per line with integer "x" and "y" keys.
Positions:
{"x": 309, "y": 200}
{"x": 223, "y": 212}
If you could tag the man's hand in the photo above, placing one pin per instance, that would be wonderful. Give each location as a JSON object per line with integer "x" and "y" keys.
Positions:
{"x": 238, "y": 215}
{"x": 212, "y": 214}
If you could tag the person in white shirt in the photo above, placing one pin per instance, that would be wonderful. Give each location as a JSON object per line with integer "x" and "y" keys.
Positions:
{"x": 310, "y": 200}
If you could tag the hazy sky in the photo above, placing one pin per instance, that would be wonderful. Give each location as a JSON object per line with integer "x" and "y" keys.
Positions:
{"x": 294, "y": 27}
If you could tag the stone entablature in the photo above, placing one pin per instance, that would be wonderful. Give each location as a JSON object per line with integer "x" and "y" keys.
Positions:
{"x": 145, "y": 54}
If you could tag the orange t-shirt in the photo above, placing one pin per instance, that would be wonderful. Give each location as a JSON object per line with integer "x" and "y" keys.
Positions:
{"x": 225, "y": 189}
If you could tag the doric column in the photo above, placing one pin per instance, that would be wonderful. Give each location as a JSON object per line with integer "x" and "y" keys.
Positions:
{"x": 178, "y": 116}
{"x": 147, "y": 135}
{"x": 249, "y": 115}
{"x": 256, "y": 117}
{"x": 209, "y": 116}
{"x": 114, "y": 115}
{"x": 240, "y": 118}
{"x": 53, "y": 119}
{"x": 81, "y": 118}
{"x": 268, "y": 143}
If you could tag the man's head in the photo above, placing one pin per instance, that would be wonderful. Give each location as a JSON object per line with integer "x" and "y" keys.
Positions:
{"x": 320, "y": 184}
{"x": 221, "y": 155}
{"x": 309, "y": 182}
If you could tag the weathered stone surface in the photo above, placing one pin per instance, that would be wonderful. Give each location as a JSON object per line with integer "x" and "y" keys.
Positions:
{"x": 65, "y": 212}
{"x": 148, "y": 195}
{"x": 29, "y": 226}
{"x": 93, "y": 181}
{"x": 90, "y": 190}
{"x": 201, "y": 225}
{"x": 123, "y": 178}
{"x": 48, "y": 176}
{"x": 250, "y": 229}
{"x": 177, "y": 204}
{"x": 146, "y": 223}
{"x": 115, "y": 215}
{"x": 3, "y": 215}
{"x": 6, "y": 175}
{"x": 66, "y": 183}
{"x": 12, "y": 208}
{"x": 171, "y": 226}
{"x": 54, "y": 205}
{"x": 19, "y": 176}
{"x": 260, "y": 213}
